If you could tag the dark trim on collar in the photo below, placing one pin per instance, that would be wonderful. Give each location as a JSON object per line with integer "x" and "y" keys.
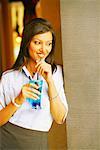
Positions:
{"x": 26, "y": 72}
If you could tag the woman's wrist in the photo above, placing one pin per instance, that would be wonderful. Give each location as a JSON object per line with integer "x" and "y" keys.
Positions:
{"x": 15, "y": 104}
{"x": 54, "y": 94}
{"x": 19, "y": 100}
{"x": 54, "y": 97}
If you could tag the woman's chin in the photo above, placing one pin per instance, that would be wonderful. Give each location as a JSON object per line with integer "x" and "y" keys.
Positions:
{"x": 40, "y": 58}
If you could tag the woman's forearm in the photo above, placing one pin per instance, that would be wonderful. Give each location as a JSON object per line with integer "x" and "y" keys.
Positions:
{"x": 57, "y": 108}
{"x": 10, "y": 109}
{"x": 6, "y": 113}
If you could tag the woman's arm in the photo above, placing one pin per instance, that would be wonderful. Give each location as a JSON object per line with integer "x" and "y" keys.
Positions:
{"x": 28, "y": 90}
{"x": 6, "y": 113}
{"x": 58, "y": 110}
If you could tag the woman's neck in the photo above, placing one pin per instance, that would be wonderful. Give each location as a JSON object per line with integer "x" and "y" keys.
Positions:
{"x": 31, "y": 67}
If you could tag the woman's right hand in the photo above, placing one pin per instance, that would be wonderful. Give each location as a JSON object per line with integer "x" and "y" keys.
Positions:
{"x": 28, "y": 91}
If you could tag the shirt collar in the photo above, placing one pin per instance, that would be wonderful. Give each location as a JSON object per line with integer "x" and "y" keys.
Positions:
{"x": 27, "y": 73}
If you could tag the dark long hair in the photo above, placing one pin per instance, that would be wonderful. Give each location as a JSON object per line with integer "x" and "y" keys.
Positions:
{"x": 32, "y": 28}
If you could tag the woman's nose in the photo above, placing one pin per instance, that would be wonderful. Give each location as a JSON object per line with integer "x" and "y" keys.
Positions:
{"x": 43, "y": 48}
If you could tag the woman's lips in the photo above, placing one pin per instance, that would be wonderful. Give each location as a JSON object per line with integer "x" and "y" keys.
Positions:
{"x": 41, "y": 55}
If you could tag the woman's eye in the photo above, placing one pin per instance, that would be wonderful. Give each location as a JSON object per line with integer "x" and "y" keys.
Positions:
{"x": 49, "y": 44}
{"x": 37, "y": 42}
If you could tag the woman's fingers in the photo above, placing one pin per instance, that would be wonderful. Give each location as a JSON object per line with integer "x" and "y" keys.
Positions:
{"x": 39, "y": 62}
{"x": 40, "y": 68}
{"x": 33, "y": 85}
{"x": 31, "y": 91}
{"x": 32, "y": 95}
{"x": 42, "y": 72}
{"x": 35, "y": 91}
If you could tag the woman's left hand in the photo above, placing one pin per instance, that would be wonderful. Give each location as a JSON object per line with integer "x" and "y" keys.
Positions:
{"x": 44, "y": 69}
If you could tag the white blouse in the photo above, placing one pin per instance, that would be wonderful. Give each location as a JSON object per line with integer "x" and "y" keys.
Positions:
{"x": 27, "y": 117}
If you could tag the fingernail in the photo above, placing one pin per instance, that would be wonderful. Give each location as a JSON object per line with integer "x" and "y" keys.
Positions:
{"x": 39, "y": 93}
{"x": 37, "y": 61}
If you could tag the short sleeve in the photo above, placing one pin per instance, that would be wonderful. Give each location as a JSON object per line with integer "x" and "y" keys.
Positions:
{"x": 59, "y": 83}
{"x": 2, "y": 101}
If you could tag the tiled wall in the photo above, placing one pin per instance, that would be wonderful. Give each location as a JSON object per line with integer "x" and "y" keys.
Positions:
{"x": 80, "y": 22}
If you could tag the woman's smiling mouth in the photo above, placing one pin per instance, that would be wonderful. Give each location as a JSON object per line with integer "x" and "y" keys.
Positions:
{"x": 41, "y": 55}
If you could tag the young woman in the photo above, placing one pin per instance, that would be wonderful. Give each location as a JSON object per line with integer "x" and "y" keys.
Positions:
{"x": 22, "y": 126}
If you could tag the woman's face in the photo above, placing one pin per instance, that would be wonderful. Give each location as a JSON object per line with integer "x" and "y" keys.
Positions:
{"x": 40, "y": 46}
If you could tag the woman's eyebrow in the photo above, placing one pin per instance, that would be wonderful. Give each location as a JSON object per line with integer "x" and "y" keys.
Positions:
{"x": 41, "y": 40}
{"x": 35, "y": 39}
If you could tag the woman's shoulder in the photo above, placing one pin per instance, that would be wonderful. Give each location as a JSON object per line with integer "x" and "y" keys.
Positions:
{"x": 59, "y": 69}
{"x": 58, "y": 74}
{"x": 9, "y": 73}
{"x": 4, "y": 78}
